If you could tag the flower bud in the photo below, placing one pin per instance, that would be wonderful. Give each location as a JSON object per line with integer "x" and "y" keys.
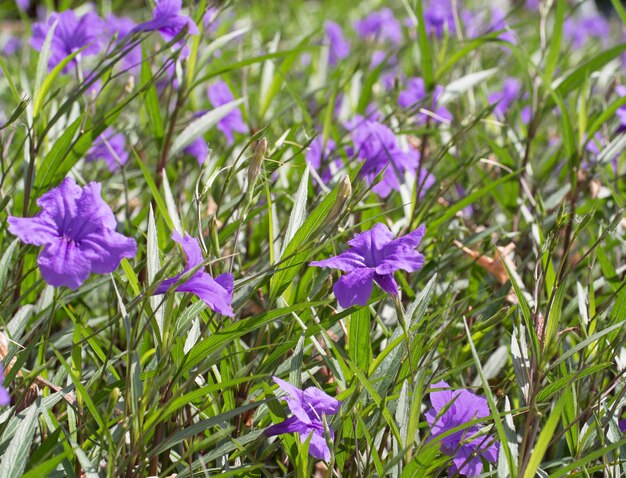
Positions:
{"x": 343, "y": 193}
{"x": 257, "y": 161}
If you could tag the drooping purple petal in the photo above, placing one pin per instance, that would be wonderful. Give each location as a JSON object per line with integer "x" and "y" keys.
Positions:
{"x": 354, "y": 288}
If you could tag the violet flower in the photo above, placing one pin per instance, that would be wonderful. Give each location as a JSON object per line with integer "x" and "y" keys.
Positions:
{"x": 621, "y": 111}
{"x": 11, "y": 46}
{"x": 23, "y": 4}
{"x": 498, "y": 22}
{"x": 374, "y": 256}
{"x": 622, "y": 425}
{"x": 578, "y": 32}
{"x": 380, "y": 25}
{"x": 338, "y": 46}
{"x": 414, "y": 95}
{"x": 439, "y": 17}
{"x": 216, "y": 293}
{"x": 210, "y": 20}
{"x": 504, "y": 98}
{"x": 318, "y": 156}
{"x": 169, "y": 22}
{"x": 308, "y": 407}
{"x": 77, "y": 229}
{"x": 110, "y": 146}
{"x": 5, "y": 398}
{"x": 378, "y": 146}
{"x": 199, "y": 149}
{"x": 70, "y": 35}
{"x": 122, "y": 27}
{"x": 219, "y": 94}
{"x": 461, "y": 406}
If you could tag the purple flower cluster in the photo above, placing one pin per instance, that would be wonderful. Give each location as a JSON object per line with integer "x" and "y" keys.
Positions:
{"x": 374, "y": 256}
{"x": 77, "y": 229}
{"x": 308, "y": 408}
{"x": 452, "y": 409}
{"x": 439, "y": 18}
{"x": 380, "y": 25}
{"x": 578, "y": 32}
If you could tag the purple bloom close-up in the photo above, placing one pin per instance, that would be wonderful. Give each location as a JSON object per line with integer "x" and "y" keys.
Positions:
{"x": 338, "y": 46}
{"x": 308, "y": 407}
{"x": 461, "y": 406}
{"x": 439, "y": 17}
{"x": 504, "y": 98}
{"x": 414, "y": 95}
{"x": 199, "y": 149}
{"x": 110, "y": 146}
{"x": 77, "y": 231}
{"x": 70, "y": 35}
{"x": 219, "y": 94}
{"x": 216, "y": 293}
{"x": 377, "y": 146}
{"x": 374, "y": 256}
{"x": 380, "y": 25}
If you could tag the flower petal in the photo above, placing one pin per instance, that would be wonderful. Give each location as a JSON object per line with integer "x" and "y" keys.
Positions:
{"x": 105, "y": 249}
{"x": 211, "y": 292}
{"x": 321, "y": 402}
{"x": 38, "y": 230}
{"x": 294, "y": 400}
{"x": 387, "y": 283}
{"x": 408, "y": 259}
{"x": 346, "y": 261}
{"x": 290, "y": 425}
{"x": 62, "y": 263}
{"x": 318, "y": 447}
{"x": 191, "y": 248}
{"x": 354, "y": 288}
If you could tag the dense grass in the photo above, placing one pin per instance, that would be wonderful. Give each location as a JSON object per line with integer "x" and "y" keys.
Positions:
{"x": 522, "y": 298}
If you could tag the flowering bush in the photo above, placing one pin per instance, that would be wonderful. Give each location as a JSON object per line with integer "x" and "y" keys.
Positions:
{"x": 338, "y": 239}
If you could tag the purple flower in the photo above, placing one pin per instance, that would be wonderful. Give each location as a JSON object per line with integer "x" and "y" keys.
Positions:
{"x": 374, "y": 255}
{"x": 498, "y": 23}
{"x": 169, "y": 22}
{"x": 219, "y": 94}
{"x": 461, "y": 406}
{"x": 380, "y": 25}
{"x": 378, "y": 146}
{"x": 199, "y": 149}
{"x": 77, "y": 229}
{"x": 339, "y": 48}
{"x": 11, "y": 46}
{"x": 439, "y": 17}
{"x": 210, "y": 20}
{"x": 504, "y": 98}
{"x": 622, "y": 425}
{"x": 121, "y": 27}
{"x": 318, "y": 157}
{"x": 414, "y": 95}
{"x": 5, "y": 398}
{"x": 23, "y": 4}
{"x": 110, "y": 146}
{"x": 216, "y": 293}
{"x": 70, "y": 35}
{"x": 578, "y": 32}
{"x": 308, "y": 406}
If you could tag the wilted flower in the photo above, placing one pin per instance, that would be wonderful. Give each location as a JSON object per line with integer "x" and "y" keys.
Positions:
{"x": 374, "y": 255}
{"x": 5, "y": 398}
{"x": 199, "y": 149}
{"x": 414, "y": 95}
{"x": 216, "y": 293}
{"x": 70, "y": 35}
{"x": 169, "y": 22}
{"x": 380, "y": 25}
{"x": 308, "y": 407}
{"x": 439, "y": 17}
{"x": 219, "y": 94}
{"x": 461, "y": 406}
{"x": 77, "y": 229}
{"x": 378, "y": 146}
{"x": 110, "y": 146}
{"x": 504, "y": 98}
{"x": 338, "y": 47}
